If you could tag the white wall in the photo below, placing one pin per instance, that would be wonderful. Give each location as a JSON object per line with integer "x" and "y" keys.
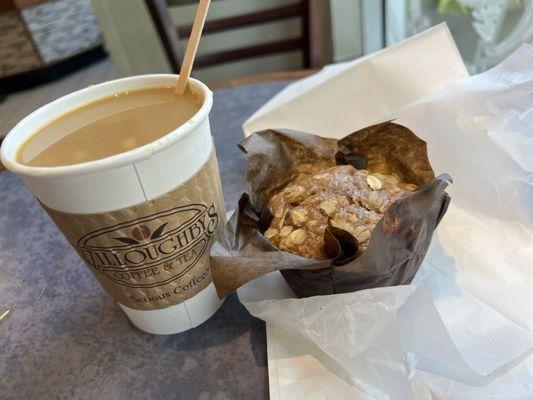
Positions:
{"x": 130, "y": 37}
{"x": 346, "y": 26}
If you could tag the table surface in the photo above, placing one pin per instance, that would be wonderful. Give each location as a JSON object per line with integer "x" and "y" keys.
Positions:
{"x": 65, "y": 338}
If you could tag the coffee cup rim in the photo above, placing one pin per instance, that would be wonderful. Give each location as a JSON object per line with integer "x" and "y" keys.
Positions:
{"x": 21, "y": 132}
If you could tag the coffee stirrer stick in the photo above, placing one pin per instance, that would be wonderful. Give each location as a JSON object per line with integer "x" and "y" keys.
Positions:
{"x": 192, "y": 46}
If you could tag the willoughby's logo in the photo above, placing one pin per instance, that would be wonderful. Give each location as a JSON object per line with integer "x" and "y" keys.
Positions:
{"x": 152, "y": 250}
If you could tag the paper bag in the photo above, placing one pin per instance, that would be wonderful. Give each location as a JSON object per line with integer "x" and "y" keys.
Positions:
{"x": 467, "y": 334}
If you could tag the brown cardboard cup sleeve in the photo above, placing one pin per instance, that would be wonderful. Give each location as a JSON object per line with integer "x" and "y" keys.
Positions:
{"x": 155, "y": 254}
{"x": 398, "y": 243}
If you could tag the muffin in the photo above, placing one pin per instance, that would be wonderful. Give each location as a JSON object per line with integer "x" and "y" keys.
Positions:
{"x": 341, "y": 196}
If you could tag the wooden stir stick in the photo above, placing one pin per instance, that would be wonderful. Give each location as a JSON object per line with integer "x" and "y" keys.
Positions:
{"x": 192, "y": 46}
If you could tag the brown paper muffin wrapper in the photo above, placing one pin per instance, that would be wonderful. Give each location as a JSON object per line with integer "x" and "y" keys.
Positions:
{"x": 397, "y": 245}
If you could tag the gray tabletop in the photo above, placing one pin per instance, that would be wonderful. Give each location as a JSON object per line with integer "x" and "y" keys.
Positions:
{"x": 65, "y": 338}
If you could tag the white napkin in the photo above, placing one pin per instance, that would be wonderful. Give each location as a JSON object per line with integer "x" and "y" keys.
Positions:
{"x": 463, "y": 330}
{"x": 345, "y": 97}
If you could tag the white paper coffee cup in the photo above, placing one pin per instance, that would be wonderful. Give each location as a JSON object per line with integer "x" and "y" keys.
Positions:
{"x": 124, "y": 180}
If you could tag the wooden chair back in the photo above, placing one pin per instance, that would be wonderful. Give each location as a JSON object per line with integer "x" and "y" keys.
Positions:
{"x": 309, "y": 41}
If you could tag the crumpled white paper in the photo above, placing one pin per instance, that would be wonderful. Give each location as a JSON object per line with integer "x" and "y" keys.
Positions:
{"x": 464, "y": 328}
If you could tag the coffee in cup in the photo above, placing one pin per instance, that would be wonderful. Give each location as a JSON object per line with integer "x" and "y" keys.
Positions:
{"x": 108, "y": 126}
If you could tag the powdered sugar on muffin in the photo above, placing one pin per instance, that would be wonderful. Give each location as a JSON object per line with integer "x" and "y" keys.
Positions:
{"x": 342, "y": 197}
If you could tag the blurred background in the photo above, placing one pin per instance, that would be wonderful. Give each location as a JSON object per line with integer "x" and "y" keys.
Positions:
{"x": 51, "y": 47}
